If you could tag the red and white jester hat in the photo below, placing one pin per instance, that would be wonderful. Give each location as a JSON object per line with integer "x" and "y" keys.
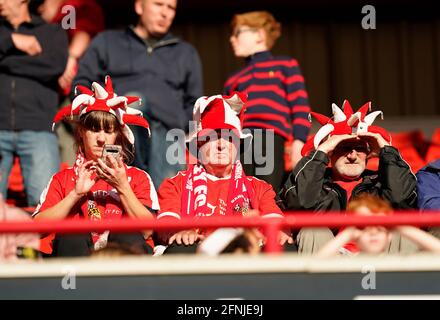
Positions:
{"x": 220, "y": 112}
{"x": 105, "y": 99}
{"x": 344, "y": 122}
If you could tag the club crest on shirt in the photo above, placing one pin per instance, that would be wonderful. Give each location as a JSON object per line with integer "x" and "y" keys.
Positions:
{"x": 92, "y": 211}
{"x": 243, "y": 210}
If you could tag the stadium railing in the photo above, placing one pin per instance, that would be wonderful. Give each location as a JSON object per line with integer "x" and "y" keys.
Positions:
{"x": 269, "y": 226}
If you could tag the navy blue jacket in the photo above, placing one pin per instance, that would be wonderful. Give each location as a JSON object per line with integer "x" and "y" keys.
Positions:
{"x": 428, "y": 186}
{"x": 167, "y": 76}
{"x": 29, "y": 84}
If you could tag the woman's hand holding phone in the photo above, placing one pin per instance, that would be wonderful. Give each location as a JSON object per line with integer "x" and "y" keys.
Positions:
{"x": 113, "y": 172}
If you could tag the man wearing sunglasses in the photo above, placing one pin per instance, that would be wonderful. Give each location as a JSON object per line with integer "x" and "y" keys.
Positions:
{"x": 335, "y": 171}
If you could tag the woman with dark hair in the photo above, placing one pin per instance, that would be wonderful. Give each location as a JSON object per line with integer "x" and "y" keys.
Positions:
{"x": 99, "y": 186}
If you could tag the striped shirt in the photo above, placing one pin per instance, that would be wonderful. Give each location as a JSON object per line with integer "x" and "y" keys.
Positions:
{"x": 277, "y": 98}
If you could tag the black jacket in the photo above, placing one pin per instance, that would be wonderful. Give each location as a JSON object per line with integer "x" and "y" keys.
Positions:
{"x": 167, "y": 76}
{"x": 310, "y": 187}
{"x": 29, "y": 84}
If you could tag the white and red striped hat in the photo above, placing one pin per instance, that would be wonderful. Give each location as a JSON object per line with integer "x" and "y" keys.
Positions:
{"x": 220, "y": 112}
{"x": 105, "y": 99}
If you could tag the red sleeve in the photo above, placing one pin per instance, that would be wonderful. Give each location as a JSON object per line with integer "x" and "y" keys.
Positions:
{"x": 144, "y": 190}
{"x": 170, "y": 197}
{"x": 89, "y": 16}
{"x": 54, "y": 193}
{"x": 266, "y": 199}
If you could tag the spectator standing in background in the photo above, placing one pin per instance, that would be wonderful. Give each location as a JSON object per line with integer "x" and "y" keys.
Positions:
{"x": 89, "y": 21}
{"x": 147, "y": 60}
{"x": 82, "y": 19}
{"x": 277, "y": 99}
{"x": 33, "y": 55}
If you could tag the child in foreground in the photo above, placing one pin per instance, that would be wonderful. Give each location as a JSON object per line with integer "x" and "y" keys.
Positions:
{"x": 375, "y": 240}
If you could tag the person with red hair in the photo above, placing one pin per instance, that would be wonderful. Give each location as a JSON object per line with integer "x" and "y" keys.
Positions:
{"x": 375, "y": 240}
{"x": 278, "y": 103}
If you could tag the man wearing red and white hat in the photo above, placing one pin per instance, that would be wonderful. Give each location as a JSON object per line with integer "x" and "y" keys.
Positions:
{"x": 216, "y": 185}
{"x": 346, "y": 142}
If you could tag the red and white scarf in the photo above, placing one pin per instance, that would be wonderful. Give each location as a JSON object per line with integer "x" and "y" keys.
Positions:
{"x": 195, "y": 193}
{"x": 91, "y": 210}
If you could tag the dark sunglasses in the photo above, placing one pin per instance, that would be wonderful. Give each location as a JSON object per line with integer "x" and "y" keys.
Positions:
{"x": 347, "y": 148}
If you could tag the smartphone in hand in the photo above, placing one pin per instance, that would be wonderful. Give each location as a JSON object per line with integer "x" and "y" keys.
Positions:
{"x": 111, "y": 150}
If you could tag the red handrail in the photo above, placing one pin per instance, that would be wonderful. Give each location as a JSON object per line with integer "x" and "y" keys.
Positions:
{"x": 270, "y": 227}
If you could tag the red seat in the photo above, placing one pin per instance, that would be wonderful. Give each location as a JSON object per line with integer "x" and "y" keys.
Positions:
{"x": 435, "y": 138}
{"x": 433, "y": 152}
{"x": 373, "y": 164}
{"x": 412, "y": 157}
{"x": 407, "y": 139}
{"x": 15, "y": 178}
{"x": 46, "y": 243}
{"x": 412, "y": 145}
{"x": 288, "y": 166}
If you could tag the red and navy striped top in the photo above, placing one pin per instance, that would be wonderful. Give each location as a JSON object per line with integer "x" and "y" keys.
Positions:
{"x": 277, "y": 98}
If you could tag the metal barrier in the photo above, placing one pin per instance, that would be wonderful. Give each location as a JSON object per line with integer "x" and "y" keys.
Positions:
{"x": 269, "y": 226}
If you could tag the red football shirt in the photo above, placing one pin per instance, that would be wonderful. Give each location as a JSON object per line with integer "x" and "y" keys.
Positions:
{"x": 102, "y": 195}
{"x": 171, "y": 192}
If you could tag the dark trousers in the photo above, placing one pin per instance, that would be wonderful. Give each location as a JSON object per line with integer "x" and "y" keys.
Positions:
{"x": 181, "y": 249}
{"x": 81, "y": 245}
{"x": 260, "y": 152}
